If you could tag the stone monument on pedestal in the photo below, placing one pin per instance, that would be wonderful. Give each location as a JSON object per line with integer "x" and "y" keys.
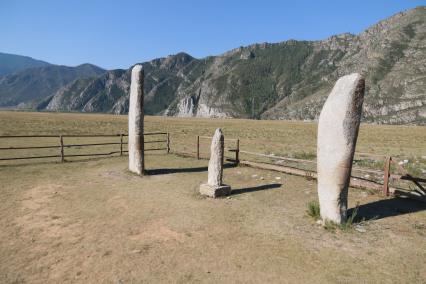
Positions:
{"x": 214, "y": 187}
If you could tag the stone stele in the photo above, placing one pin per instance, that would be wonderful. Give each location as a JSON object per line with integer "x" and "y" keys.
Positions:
{"x": 337, "y": 134}
{"x": 214, "y": 187}
{"x": 136, "y": 139}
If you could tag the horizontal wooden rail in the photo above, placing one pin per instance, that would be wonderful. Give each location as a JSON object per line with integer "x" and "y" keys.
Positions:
{"x": 77, "y": 135}
{"x": 28, "y": 136}
{"x": 95, "y": 154}
{"x": 305, "y": 161}
{"x": 407, "y": 177}
{"x": 155, "y": 141}
{"x": 61, "y": 145}
{"x": 91, "y": 135}
{"x": 209, "y": 137}
{"x": 278, "y": 157}
{"x": 25, "y": 158}
{"x": 154, "y": 133}
{"x": 354, "y": 181}
{"x": 30, "y": 147}
{"x": 93, "y": 144}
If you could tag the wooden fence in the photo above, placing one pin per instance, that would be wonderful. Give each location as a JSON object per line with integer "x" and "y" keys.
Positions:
{"x": 418, "y": 193}
{"x": 164, "y": 140}
{"x": 235, "y": 150}
{"x": 61, "y": 146}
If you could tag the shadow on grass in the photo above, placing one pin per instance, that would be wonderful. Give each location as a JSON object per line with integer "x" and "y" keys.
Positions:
{"x": 255, "y": 188}
{"x": 387, "y": 208}
{"x": 166, "y": 171}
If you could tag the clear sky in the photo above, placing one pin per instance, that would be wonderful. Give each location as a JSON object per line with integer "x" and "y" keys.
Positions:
{"x": 117, "y": 34}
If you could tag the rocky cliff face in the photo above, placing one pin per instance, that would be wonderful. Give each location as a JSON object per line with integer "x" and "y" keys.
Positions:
{"x": 287, "y": 80}
{"x": 392, "y": 57}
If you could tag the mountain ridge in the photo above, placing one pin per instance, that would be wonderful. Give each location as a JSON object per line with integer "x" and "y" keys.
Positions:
{"x": 285, "y": 80}
{"x": 25, "y": 89}
{"x": 11, "y": 63}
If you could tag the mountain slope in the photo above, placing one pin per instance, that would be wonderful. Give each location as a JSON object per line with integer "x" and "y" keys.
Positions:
{"x": 30, "y": 86}
{"x": 392, "y": 57}
{"x": 11, "y": 63}
{"x": 109, "y": 92}
{"x": 287, "y": 80}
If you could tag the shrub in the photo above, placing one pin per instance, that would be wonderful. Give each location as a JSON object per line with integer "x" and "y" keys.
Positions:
{"x": 314, "y": 210}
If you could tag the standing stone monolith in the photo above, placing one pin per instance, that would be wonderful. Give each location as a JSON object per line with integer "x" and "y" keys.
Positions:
{"x": 214, "y": 187}
{"x": 136, "y": 139}
{"x": 337, "y": 134}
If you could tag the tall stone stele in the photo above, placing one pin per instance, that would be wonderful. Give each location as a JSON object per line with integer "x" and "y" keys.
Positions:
{"x": 136, "y": 139}
{"x": 214, "y": 187}
{"x": 337, "y": 135}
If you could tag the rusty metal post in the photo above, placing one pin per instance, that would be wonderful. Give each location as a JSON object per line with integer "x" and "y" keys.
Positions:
{"x": 61, "y": 140}
{"x": 237, "y": 152}
{"x": 121, "y": 144}
{"x": 168, "y": 142}
{"x": 198, "y": 147}
{"x": 386, "y": 175}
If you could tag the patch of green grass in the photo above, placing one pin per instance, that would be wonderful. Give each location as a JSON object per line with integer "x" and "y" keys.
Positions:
{"x": 345, "y": 226}
{"x": 314, "y": 210}
{"x": 348, "y": 224}
{"x": 305, "y": 155}
{"x": 369, "y": 163}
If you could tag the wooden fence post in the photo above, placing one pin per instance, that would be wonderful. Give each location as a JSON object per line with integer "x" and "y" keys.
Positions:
{"x": 237, "y": 152}
{"x": 121, "y": 144}
{"x": 386, "y": 174}
{"x": 168, "y": 142}
{"x": 198, "y": 147}
{"x": 61, "y": 140}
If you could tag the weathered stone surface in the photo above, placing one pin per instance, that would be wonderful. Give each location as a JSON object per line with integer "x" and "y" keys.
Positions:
{"x": 214, "y": 186}
{"x": 337, "y": 134}
{"x": 216, "y": 159}
{"x": 215, "y": 191}
{"x": 136, "y": 115}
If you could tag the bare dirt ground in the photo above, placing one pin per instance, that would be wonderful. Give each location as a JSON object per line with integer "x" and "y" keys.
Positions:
{"x": 94, "y": 222}
{"x": 91, "y": 221}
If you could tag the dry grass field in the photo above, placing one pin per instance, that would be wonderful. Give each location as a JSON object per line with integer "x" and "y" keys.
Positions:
{"x": 91, "y": 221}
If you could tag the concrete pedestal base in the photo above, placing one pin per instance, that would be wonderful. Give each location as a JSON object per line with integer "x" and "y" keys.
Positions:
{"x": 214, "y": 192}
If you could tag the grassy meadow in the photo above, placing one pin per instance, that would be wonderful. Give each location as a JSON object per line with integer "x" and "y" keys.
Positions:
{"x": 289, "y": 138}
{"x": 281, "y": 138}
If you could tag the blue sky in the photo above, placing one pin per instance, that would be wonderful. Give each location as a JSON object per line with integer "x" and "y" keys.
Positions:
{"x": 117, "y": 34}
